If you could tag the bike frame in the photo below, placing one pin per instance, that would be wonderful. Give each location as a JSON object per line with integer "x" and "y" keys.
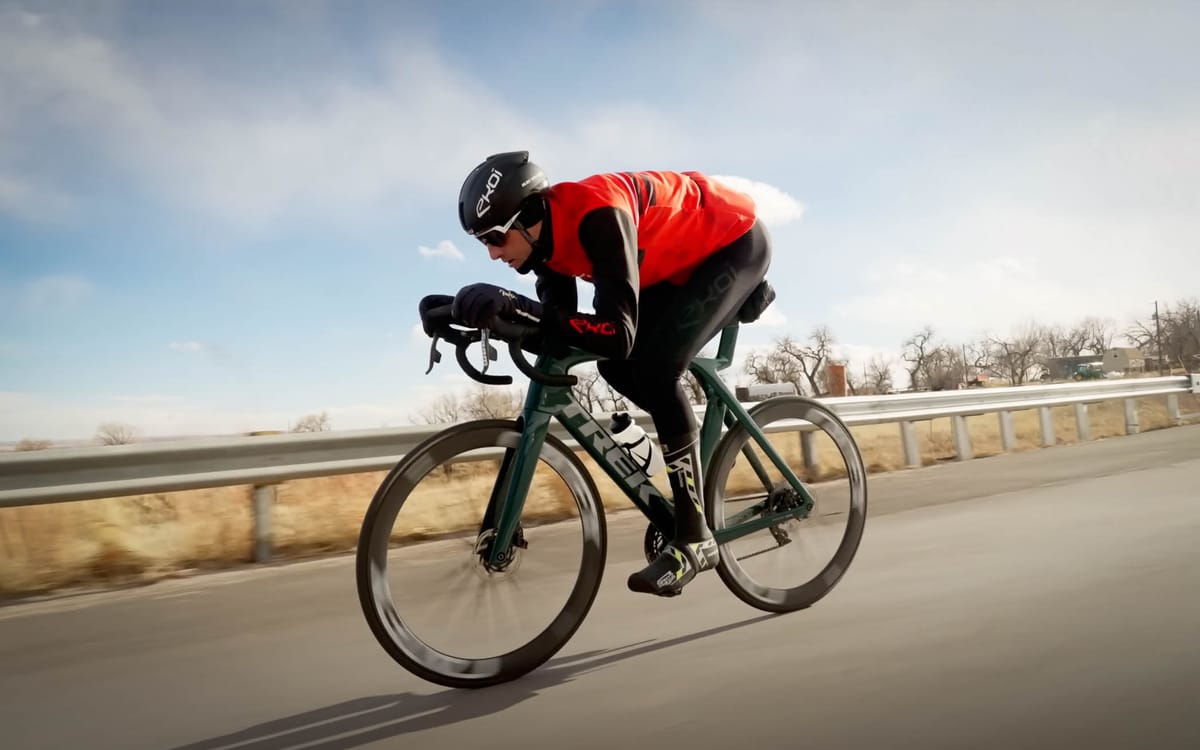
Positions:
{"x": 542, "y": 403}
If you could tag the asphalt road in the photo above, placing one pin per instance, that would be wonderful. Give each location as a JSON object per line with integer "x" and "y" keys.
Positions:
{"x": 1040, "y": 600}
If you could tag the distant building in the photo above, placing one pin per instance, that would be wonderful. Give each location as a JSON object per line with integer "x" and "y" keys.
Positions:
{"x": 1124, "y": 359}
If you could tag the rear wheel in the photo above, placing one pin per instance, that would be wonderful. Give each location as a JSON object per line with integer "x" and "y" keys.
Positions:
{"x": 790, "y": 565}
{"x": 427, "y": 589}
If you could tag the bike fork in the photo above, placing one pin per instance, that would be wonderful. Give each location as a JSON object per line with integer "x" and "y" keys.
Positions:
{"x": 507, "y": 500}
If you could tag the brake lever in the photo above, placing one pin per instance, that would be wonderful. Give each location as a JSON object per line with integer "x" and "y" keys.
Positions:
{"x": 434, "y": 355}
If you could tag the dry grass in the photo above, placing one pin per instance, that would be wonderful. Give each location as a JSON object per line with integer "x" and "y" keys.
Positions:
{"x": 144, "y": 538}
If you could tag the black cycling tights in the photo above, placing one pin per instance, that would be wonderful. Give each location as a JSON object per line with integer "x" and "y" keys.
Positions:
{"x": 673, "y": 325}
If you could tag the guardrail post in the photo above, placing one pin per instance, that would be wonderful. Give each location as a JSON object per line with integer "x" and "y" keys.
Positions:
{"x": 1132, "y": 426}
{"x": 912, "y": 452}
{"x": 1082, "y": 426}
{"x": 1173, "y": 412}
{"x": 1008, "y": 435}
{"x": 807, "y": 450}
{"x": 264, "y": 498}
{"x": 962, "y": 438}
{"x": 1047, "y": 420}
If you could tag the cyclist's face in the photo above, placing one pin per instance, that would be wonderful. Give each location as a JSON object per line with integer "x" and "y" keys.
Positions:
{"x": 515, "y": 250}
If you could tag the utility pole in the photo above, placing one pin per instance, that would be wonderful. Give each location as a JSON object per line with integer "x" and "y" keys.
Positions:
{"x": 1158, "y": 338}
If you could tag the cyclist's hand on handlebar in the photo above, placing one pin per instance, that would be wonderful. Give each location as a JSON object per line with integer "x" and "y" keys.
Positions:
{"x": 431, "y": 302}
{"x": 479, "y": 305}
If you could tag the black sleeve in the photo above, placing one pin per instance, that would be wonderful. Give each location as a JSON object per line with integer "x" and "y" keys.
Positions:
{"x": 557, "y": 291}
{"x": 609, "y": 240}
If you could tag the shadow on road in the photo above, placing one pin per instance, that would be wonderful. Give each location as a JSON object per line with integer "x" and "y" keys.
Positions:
{"x": 365, "y": 720}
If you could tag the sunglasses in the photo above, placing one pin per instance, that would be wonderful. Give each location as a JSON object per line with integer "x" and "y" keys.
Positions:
{"x": 494, "y": 236}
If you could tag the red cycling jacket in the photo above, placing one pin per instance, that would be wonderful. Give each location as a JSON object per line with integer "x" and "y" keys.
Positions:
{"x": 680, "y": 219}
{"x": 624, "y": 232}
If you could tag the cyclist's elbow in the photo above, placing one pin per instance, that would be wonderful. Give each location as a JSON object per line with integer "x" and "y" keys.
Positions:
{"x": 617, "y": 345}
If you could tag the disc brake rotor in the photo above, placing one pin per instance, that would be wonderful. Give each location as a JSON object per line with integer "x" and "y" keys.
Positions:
{"x": 508, "y": 563}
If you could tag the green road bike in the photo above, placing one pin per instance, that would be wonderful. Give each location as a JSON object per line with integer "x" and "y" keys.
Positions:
{"x": 482, "y": 551}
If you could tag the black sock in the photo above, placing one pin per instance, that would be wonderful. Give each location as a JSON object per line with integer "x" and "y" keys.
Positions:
{"x": 683, "y": 472}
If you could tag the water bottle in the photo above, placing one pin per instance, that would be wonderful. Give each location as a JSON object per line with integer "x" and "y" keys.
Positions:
{"x": 645, "y": 453}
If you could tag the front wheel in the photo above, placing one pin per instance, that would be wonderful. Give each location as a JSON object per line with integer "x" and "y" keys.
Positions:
{"x": 792, "y": 564}
{"x": 428, "y": 588}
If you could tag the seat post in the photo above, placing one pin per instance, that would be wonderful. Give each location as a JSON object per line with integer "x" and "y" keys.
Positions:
{"x": 726, "y": 345}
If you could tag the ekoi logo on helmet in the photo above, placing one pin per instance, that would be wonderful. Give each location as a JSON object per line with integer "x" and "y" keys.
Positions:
{"x": 603, "y": 328}
{"x": 484, "y": 204}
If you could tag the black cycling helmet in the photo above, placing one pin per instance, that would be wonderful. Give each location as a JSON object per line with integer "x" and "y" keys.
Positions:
{"x": 495, "y": 192}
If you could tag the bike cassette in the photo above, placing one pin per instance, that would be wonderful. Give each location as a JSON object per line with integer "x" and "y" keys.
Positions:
{"x": 781, "y": 500}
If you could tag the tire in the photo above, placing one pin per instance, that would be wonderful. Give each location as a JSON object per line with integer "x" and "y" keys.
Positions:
{"x": 390, "y": 627}
{"x": 730, "y": 568}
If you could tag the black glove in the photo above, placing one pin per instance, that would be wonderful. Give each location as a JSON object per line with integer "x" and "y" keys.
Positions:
{"x": 477, "y": 305}
{"x": 430, "y": 302}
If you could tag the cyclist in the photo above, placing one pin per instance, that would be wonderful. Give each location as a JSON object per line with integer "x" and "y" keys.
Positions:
{"x": 672, "y": 257}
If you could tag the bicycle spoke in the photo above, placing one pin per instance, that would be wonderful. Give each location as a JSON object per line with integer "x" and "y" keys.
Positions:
{"x": 789, "y": 548}
{"x": 449, "y": 609}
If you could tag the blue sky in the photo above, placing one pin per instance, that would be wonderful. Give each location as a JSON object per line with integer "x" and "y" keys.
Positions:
{"x": 212, "y": 214}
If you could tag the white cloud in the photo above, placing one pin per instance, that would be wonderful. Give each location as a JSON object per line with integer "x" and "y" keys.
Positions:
{"x": 775, "y": 207}
{"x": 244, "y": 155}
{"x": 444, "y": 249}
{"x": 187, "y": 346}
{"x": 1097, "y": 220}
{"x": 1005, "y": 264}
{"x": 334, "y": 150}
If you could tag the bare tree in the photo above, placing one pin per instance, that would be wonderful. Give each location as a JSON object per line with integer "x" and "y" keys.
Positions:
{"x": 490, "y": 402}
{"x": 773, "y": 366}
{"x": 1063, "y": 342}
{"x": 789, "y": 361}
{"x": 811, "y": 357}
{"x": 854, "y": 386}
{"x": 944, "y": 367}
{"x": 1098, "y": 334}
{"x": 588, "y": 388}
{"x": 613, "y": 400}
{"x": 445, "y": 409}
{"x": 878, "y": 376}
{"x": 917, "y": 349}
{"x": 1091, "y": 335}
{"x": 1179, "y": 331}
{"x": 33, "y": 444}
{"x": 693, "y": 389}
{"x": 313, "y": 423}
{"x": 1018, "y": 357}
{"x": 116, "y": 433}
{"x": 976, "y": 361}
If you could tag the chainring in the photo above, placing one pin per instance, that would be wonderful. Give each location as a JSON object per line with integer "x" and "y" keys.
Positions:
{"x": 653, "y": 543}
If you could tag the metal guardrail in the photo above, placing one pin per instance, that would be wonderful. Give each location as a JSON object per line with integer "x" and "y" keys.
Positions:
{"x": 66, "y": 474}
{"x": 58, "y": 475}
